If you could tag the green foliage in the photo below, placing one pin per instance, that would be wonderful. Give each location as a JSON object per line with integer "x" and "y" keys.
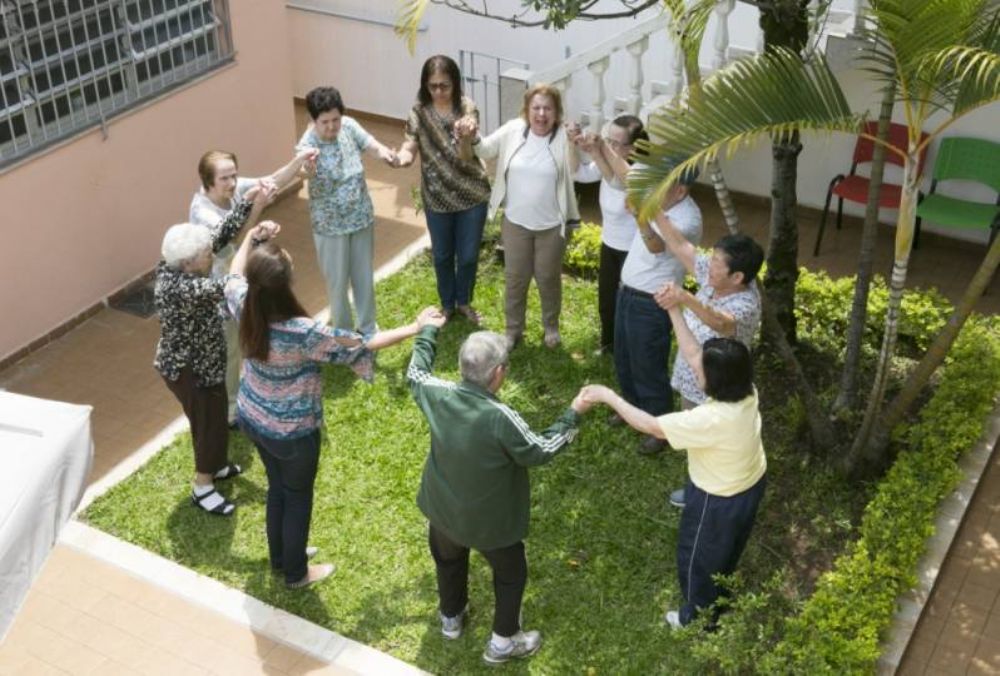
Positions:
{"x": 824, "y": 307}
{"x": 583, "y": 253}
{"x": 602, "y": 540}
{"x": 839, "y": 628}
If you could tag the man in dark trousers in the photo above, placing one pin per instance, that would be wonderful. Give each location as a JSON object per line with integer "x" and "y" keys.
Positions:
{"x": 474, "y": 489}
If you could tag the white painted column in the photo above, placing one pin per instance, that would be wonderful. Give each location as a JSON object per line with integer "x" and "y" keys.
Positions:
{"x": 636, "y": 50}
{"x": 722, "y": 10}
{"x": 598, "y": 69}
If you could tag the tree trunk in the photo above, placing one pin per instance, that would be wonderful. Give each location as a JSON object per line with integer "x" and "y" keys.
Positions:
{"x": 783, "y": 247}
{"x": 714, "y": 171}
{"x": 847, "y": 396}
{"x": 874, "y": 454}
{"x": 723, "y": 196}
{"x": 774, "y": 334}
{"x": 904, "y": 245}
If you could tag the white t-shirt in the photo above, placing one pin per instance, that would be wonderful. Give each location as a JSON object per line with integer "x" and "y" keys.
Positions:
{"x": 532, "y": 176}
{"x": 207, "y": 213}
{"x": 647, "y": 271}
{"x": 723, "y": 442}
{"x": 618, "y": 226}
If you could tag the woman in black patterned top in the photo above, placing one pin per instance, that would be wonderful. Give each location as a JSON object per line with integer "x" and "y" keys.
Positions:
{"x": 454, "y": 186}
{"x": 191, "y": 353}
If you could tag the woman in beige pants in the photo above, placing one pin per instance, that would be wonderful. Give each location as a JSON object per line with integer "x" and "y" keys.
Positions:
{"x": 536, "y": 161}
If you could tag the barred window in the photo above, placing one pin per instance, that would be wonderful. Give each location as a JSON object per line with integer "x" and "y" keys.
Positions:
{"x": 66, "y": 65}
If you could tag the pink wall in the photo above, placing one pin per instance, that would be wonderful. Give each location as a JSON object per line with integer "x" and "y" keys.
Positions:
{"x": 86, "y": 218}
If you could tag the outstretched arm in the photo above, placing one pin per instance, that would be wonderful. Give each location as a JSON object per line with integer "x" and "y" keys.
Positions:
{"x": 687, "y": 344}
{"x": 429, "y": 316}
{"x": 681, "y": 248}
{"x": 635, "y": 417}
{"x": 284, "y": 175}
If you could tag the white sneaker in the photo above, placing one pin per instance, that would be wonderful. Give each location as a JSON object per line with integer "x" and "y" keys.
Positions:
{"x": 451, "y": 627}
{"x": 522, "y": 644}
{"x": 673, "y": 619}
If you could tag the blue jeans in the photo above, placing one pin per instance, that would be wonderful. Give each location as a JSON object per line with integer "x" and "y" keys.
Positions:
{"x": 455, "y": 240}
{"x": 642, "y": 351}
{"x": 291, "y": 466}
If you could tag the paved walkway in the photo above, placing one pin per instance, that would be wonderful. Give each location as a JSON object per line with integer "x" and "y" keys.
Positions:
{"x": 98, "y": 608}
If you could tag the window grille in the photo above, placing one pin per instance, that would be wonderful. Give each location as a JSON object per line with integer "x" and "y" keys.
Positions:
{"x": 66, "y": 65}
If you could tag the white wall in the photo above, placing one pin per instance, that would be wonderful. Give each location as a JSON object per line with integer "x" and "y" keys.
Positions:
{"x": 375, "y": 73}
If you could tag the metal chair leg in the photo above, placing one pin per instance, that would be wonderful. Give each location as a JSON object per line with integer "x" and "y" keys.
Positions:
{"x": 826, "y": 212}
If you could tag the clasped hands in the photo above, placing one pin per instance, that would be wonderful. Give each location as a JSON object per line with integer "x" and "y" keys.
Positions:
{"x": 589, "y": 395}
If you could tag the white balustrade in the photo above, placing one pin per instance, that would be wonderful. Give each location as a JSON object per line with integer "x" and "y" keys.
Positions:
{"x": 636, "y": 50}
{"x": 859, "y": 16}
{"x": 721, "y": 43}
{"x": 598, "y": 69}
{"x": 663, "y": 80}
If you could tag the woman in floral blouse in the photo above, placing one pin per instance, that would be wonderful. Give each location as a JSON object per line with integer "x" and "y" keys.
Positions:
{"x": 453, "y": 183}
{"x": 280, "y": 402}
{"x": 341, "y": 208}
{"x": 191, "y": 353}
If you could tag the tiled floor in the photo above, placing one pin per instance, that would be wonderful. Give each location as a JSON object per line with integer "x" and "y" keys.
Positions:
{"x": 86, "y": 616}
{"x": 959, "y": 631}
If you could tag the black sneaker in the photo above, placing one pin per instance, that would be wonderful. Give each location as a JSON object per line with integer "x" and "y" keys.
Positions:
{"x": 651, "y": 446}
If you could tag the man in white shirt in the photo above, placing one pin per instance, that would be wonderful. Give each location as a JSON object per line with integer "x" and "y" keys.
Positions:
{"x": 642, "y": 328}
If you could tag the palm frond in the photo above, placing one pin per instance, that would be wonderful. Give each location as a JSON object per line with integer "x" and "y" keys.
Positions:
{"x": 689, "y": 23}
{"x": 914, "y": 29}
{"x": 771, "y": 94}
{"x": 410, "y": 14}
{"x": 972, "y": 74}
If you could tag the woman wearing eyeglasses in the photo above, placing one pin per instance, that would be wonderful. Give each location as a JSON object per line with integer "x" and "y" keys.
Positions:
{"x": 453, "y": 182}
{"x": 618, "y": 226}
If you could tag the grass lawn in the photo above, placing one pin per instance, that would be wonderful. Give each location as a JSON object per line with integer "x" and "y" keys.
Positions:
{"x": 601, "y": 548}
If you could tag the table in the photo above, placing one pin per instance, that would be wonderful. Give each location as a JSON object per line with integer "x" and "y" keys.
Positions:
{"x": 46, "y": 451}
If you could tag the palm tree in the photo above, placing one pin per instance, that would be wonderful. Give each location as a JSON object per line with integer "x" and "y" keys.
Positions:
{"x": 943, "y": 56}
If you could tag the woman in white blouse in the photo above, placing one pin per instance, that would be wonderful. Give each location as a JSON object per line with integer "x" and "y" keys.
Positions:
{"x": 536, "y": 161}
{"x": 618, "y": 226}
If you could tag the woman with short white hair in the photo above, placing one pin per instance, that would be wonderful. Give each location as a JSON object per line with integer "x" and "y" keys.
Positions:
{"x": 191, "y": 352}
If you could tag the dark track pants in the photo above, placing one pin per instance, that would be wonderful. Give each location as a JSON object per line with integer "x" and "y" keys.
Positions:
{"x": 510, "y": 576}
{"x": 713, "y": 533}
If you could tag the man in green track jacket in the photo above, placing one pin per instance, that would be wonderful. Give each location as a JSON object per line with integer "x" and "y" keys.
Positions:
{"x": 474, "y": 489}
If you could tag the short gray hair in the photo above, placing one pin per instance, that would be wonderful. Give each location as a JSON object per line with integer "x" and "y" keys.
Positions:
{"x": 183, "y": 243}
{"x": 480, "y": 355}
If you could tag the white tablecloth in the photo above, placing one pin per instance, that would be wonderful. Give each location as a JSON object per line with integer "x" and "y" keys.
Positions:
{"x": 45, "y": 455}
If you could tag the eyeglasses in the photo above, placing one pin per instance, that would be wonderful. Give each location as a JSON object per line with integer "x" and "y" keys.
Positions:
{"x": 616, "y": 144}
{"x": 439, "y": 86}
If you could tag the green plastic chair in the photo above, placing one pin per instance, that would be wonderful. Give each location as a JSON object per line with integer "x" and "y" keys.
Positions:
{"x": 967, "y": 159}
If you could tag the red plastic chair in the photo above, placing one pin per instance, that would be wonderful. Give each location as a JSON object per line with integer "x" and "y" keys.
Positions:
{"x": 855, "y": 188}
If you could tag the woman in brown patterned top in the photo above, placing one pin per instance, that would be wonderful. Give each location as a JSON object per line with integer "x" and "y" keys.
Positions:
{"x": 454, "y": 186}
{"x": 191, "y": 352}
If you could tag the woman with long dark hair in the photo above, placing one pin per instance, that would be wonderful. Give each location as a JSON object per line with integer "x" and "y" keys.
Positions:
{"x": 280, "y": 402}
{"x": 454, "y": 187}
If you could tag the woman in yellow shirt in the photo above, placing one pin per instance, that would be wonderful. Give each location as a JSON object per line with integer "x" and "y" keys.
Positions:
{"x": 726, "y": 463}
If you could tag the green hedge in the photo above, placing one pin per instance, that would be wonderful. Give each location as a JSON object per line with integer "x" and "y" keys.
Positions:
{"x": 840, "y": 626}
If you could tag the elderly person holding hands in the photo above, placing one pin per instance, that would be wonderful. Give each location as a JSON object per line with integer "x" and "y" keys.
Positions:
{"x": 726, "y": 463}
{"x": 191, "y": 352}
{"x": 280, "y": 402}
{"x": 609, "y": 164}
{"x": 340, "y": 207}
{"x": 453, "y": 182}
{"x": 221, "y": 185}
{"x": 474, "y": 490}
{"x": 535, "y": 163}
{"x": 727, "y": 303}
